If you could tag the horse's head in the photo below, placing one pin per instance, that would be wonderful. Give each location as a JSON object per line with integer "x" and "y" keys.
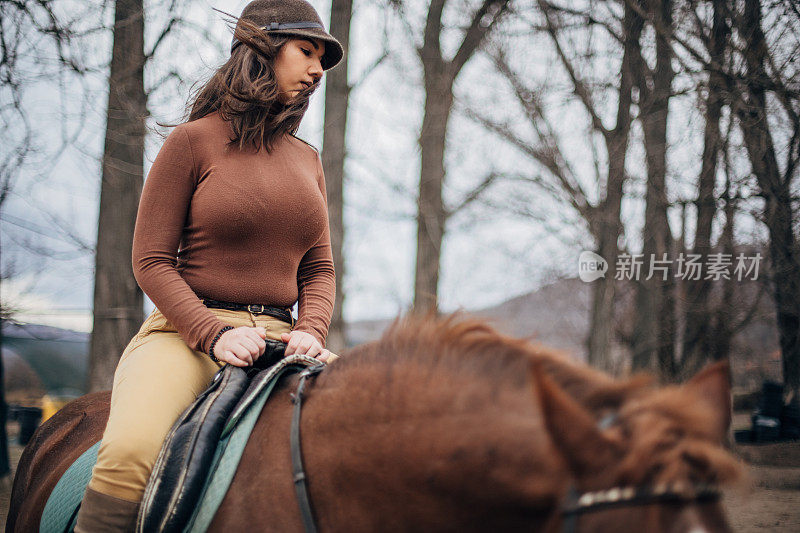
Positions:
{"x": 652, "y": 465}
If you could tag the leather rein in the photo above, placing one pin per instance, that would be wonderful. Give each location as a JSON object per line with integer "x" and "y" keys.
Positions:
{"x": 298, "y": 473}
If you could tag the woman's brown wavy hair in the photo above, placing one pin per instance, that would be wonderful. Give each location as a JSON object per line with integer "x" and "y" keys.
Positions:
{"x": 244, "y": 90}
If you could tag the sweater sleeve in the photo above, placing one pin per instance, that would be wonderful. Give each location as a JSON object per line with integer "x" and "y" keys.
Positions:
{"x": 160, "y": 220}
{"x": 316, "y": 280}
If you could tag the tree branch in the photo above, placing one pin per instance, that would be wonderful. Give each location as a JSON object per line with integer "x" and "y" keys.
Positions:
{"x": 474, "y": 194}
{"x": 477, "y": 31}
{"x": 579, "y": 87}
{"x": 367, "y": 71}
{"x": 433, "y": 29}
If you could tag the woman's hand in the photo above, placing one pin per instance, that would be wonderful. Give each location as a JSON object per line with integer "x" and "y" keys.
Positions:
{"x": 300, "y": 342}
{"x": 241, "y": 346}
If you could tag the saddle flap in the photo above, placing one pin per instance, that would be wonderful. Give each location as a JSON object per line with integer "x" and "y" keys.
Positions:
{"x": 191, "y": 449}
{"x": 186, "y": 455}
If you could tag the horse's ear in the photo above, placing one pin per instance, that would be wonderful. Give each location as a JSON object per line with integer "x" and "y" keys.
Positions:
{"x": 572, "y": 428}
{"x": 615, "y": 393}
{"x": 712, "y": 385}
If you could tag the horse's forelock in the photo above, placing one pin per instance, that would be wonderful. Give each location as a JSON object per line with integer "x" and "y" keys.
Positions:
{"x": 670, "y": 440}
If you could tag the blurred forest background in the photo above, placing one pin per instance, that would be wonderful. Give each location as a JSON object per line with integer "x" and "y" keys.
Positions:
{"x": 472, "y": 150}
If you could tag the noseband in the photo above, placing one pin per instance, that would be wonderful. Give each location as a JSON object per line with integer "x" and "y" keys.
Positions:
{"x": 581, "y": 503}
{"x": 578, "y": 503}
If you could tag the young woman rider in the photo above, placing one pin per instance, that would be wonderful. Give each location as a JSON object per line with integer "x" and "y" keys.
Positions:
{"x": 232, "y": 231}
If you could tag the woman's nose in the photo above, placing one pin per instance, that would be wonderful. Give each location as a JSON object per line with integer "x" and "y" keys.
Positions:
{"x": 315, "y": 71}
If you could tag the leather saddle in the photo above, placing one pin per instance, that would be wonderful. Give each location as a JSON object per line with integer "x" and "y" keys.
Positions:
{"x": 180, "y": 472}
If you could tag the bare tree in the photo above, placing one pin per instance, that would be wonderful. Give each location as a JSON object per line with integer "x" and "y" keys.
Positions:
{"x": 334, "y": 154}
{"x": 697, "y": 335}
{"x": 654, "y": 330}
{"x": 752, "y": 78}
{"x": 31, "y": 33}
{"x": 118, "y": 301}
{"x": 750, "y": 75}
{"x": 440, "y": 74}
{"x": 334, "y": 151}
{"x": 602, "y": 217}
{"x": 751, "y": 108}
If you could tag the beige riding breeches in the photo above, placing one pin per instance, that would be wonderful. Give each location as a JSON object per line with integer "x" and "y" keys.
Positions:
{"x": 157, "y": 378}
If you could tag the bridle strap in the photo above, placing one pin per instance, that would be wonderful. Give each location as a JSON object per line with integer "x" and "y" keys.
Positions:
{"x": 582, "y": 503}
{"x": 571, "y": 519}
{"x": 298, "y": 474}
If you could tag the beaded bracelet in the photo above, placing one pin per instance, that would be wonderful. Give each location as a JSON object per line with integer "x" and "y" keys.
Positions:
{"x": 214, "y": 342}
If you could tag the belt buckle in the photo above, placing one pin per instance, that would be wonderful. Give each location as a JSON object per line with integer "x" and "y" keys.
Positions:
{"x": 250, "y": 308}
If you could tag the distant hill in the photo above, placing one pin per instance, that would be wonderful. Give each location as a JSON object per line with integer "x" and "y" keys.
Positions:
{"x": 44, "y": 358}
{"x": 558, "y": 315}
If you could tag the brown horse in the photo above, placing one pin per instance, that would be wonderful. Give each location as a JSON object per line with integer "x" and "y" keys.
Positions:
{"x": 445, "y": 425}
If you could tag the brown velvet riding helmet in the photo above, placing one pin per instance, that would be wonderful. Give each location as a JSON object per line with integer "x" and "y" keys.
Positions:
{"x": 292, "y": 17}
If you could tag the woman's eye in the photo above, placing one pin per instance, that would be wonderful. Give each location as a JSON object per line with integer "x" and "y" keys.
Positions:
{"x": 306, "y": 52}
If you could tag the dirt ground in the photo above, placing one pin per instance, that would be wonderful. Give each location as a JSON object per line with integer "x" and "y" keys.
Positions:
{"x": 769, "y": 500}
{"x": 5, "y": 484}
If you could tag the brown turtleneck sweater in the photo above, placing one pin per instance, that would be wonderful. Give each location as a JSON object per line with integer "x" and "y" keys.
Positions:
{"x": 238, "y": 226}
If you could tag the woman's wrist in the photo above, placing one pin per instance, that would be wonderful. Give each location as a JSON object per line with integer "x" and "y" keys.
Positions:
{"x": 305, "y": 328}
{"x": 214, "y": 343}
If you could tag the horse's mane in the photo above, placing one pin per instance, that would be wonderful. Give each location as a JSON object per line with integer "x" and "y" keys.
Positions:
{"x": 461, "y": 345}
{"x": 664, "y": 435}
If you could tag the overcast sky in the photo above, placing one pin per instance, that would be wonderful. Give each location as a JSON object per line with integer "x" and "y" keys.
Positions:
{"x": 489, "y": 255}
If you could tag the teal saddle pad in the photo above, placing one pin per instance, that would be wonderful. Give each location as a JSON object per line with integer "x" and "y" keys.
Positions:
{"x": 61, "y": 510}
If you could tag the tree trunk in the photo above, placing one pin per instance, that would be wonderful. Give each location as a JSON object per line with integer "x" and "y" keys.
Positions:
{"x": 697, "y": 341}
{"x": 118, "y": 301}
{"x": 720, "y": 337}
{"x": 654, "y": 331}
{"x": 601, "y": 318}
{"x": 5, "y": 465}
{"x": 431, "y": 215}
{"x": 608, "y": 225}
{"x": 778, "y": 217}
{"x": 440, "y": 75}
{"x": 337, "y": 93}
{"x": 607, "y": 233}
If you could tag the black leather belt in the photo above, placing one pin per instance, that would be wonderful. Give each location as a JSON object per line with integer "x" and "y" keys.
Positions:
{"x": 281, "y": 313}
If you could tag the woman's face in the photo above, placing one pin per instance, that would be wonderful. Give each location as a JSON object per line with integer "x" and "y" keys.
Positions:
{"x": 298, "y": 65}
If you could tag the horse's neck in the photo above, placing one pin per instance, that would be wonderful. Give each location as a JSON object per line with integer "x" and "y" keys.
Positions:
{"x": 443, "y": 449}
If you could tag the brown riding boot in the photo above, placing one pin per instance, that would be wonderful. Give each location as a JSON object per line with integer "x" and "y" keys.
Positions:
{"x": 101, "y": 513}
